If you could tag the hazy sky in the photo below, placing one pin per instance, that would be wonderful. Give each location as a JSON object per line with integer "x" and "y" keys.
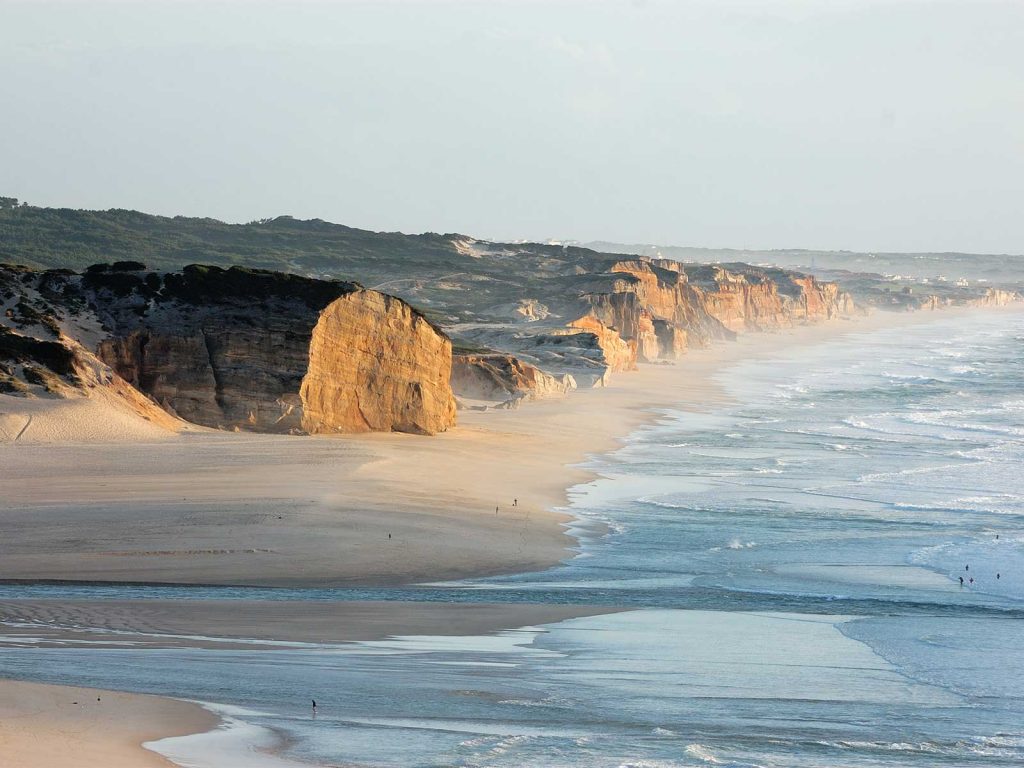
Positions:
{"x": 831, "y": 124}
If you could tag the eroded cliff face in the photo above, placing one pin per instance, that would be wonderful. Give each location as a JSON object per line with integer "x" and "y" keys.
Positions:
{"x": 761, "y": 300}
{"x": 818, "y": 301}
{"x": 505, "y": 379}
{"x": 658, "y": 308}
{"x": 228, "y": 374}
{"x": 375, "y": 364}
{"x": 653, "y": 309}
{"x": 996, "y": 297}
{"x": 246, "y": 349}
{"x": 618, "y": 354}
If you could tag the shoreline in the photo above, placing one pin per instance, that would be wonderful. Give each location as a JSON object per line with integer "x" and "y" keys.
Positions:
{"x": 224, "y": 509}
{"x": 598, "y": 422}
{"x": 44, "y": 725}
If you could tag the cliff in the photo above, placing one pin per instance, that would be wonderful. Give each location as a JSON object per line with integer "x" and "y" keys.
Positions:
{"x": 645, "y": 311}
{"x": 247, "y": 349}
{"x": 632, "y": 311}
{"x": 745, "y": 298}
{"x": 505, "y": 379}
{"x": 995, "y": 297}
{"x": 375, "y": 364}
{"x": 559, "y": 307}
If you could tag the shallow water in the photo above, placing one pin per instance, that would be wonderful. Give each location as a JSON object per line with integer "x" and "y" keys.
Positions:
{"x": 794, "y": 561}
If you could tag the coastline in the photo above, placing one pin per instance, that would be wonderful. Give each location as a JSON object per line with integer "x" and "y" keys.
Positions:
{"x": 586, "y": 423}
{"x": 42, "y": 726}
{"x": 368, "y": 510}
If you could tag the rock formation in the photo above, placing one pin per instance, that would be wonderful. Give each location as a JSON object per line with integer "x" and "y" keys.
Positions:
{"x": 504, "y": 378}
{"x": 643, "y": 311}
{"x": 249, "y": 349}
{"x": 375, "y": 364}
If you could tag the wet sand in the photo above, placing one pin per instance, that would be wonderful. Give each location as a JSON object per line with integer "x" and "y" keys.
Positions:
{"x": 162, "y": 623}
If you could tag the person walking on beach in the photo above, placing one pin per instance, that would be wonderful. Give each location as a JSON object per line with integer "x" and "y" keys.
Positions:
{"x": 961, "y": 581}
{"x": 314, "y": 707}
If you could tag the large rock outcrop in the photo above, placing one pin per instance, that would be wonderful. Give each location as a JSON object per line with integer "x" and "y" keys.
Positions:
{"x": 505, "y": 378}
{"x": 256, "y": 350}
{"x": 618, "y": 354}
{"x": 375, "y": 364}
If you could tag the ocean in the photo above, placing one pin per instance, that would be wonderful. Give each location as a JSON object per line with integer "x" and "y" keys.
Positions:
{"x": 788, "y": 565}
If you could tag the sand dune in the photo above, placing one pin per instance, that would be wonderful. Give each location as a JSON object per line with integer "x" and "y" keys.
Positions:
{"x": 104, "y": 416}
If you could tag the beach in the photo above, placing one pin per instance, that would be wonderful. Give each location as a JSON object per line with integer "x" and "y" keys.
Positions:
{"x": 42, "y": 726}
{"x": 206, "y": 507}
{"x": 212, "y": 508}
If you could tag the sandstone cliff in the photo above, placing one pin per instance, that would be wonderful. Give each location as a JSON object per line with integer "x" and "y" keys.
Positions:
{"x": 618, "y": 354}
{"x": 659, "y": 307}
{"x": 642, "y": 310}
{"x": 375, "y": 364}
{"x": 505, "y": 379}
{"x": 995, "y": 297}
{"x": 247, "y": 349}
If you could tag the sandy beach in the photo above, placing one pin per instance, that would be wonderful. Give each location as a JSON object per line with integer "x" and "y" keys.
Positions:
{"x": 46, "y": 726}
{"x": 215, "y": 508}
{"x": 207, "y": 507}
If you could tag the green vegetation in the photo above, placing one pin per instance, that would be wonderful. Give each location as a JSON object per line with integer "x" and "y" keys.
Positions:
{"x": 27, "y": 350}
{"x": 10, "y": 384}
{"x": 76, "y": 239}
{"x": 198, "y": 283}
{"x": 44, "y": 377}
{"x": 439, "y": 274}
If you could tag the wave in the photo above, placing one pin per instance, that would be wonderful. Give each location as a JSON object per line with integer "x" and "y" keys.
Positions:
{"x": 955, "y": 419}
{"x": 969, "y": 504}
{"x": 738, "y": 544}
{"x": 496, "y": 746}
{"x": 915, "y": 378}
{"x": 705, "y": 755}
{"x": 875, "y": 477}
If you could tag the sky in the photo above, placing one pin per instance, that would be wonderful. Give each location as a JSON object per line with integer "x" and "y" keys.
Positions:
{"x": 836, "y": 124}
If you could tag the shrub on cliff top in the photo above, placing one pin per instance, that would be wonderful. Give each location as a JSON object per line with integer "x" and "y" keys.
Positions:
{"x": 201, "y": 283}
{"x": 118, "y": 283}
{"x": 25, "y": 349}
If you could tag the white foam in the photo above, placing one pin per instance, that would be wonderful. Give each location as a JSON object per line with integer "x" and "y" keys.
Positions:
{"x": 234, "y": 743}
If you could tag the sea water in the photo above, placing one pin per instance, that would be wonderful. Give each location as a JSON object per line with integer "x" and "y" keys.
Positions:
{"x": 790, "y": 563}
